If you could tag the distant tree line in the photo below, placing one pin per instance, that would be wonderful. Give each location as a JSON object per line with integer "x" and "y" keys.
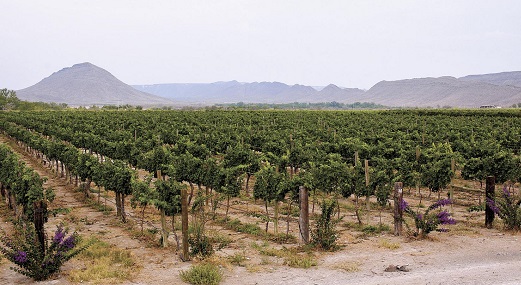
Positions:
{"x": 9, "y": 101}
{"x": 518, "y": 105}
{"x": 299, "y": 105}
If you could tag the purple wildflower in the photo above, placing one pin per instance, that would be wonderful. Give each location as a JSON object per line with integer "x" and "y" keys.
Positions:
{"x": 440, "y": 203}
{"x": 506, "y": 193}
{"x": 492, "y": 205}
{"x": 419, "y": 217}
{"x": 403, "y": 205}
{"x": 69, "y": 242}
{"x": 445, "y": 219}
{"x": 58, "y": 236}
{"x": 20, "y": 257}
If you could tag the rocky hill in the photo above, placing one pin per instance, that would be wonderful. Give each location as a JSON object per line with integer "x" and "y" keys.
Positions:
{"x": 512, "y": 78}
{"x": 468, "y": 92}
{"x": 85, "y": 84}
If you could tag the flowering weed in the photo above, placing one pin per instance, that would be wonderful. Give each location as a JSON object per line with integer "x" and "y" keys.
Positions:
{"x": 34, "y": 260}
{"x": 429, "y": 221}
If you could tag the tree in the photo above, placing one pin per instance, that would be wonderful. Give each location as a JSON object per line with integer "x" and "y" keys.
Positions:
{"x": 8, "y": 99}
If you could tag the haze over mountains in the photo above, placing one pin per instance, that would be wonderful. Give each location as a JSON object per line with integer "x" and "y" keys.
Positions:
{"x": 256, "y": 92}
{"x": 86, "y": 84}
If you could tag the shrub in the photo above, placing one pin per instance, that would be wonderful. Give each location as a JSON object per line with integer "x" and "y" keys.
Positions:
{"x": 324, "y": 234}
{"x": 428, "y": 221}
{"x": 35, "y": 260}
{"x": 507, "y": 208}
{"x": 200, "y": 244}
{"x": 202, "y": 274}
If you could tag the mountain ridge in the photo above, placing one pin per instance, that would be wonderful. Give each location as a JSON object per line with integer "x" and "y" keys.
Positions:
{"x": 85, "y": 84}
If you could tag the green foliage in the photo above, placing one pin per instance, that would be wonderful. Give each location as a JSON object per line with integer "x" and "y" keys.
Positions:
{"x": 491, "y": 160}
{"x": 8, "y": 99}
{"x": 372, "y": 230}
{"x": 24, "y": 183}
{"x": 332, "y": 176}
{"x": 168, "y": 196}
{"x": 268, "y": 184}
{"x": 324, "y": 234}
{"x": 35, "y": 260}
{"x": 436, "y": 166}
{"x": 202, "y": 274}
{"x": 200, "y": 243}
{"x": 142, "y": 193}
{"x": 247, "y": 228}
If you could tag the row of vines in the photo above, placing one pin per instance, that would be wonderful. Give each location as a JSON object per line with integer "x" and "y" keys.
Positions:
{"x": 335, "y": 154}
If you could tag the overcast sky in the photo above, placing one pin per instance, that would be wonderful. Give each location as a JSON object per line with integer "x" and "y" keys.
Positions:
{"x": 347, "y": 43}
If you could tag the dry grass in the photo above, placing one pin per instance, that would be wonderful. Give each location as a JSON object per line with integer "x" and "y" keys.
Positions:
{"x": 348, "y": 266}
{"x": 292, "y": 256}
{"x": 385, "y": 243}
{"x": 105, "y": 264}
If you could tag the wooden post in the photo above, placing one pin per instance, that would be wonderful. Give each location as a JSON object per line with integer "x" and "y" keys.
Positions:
{"x": 367, "y": 196}
{"x": 184, "y": 224}
{"x": 398, "y": 211}
{"x": 40, "y": 209}
{"x": 304, "y": 215}
{"x": 451, "y": 188}
{"x": 164, "y": 232}
{"x": 356, "y": 158}
{"x": 366, "y": 166}
{"x": 490, "y": 197}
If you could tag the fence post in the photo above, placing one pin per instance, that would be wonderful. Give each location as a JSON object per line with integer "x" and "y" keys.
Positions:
{"x": 184, "y": 223}
{"x": 398, "y": 211}
{"x": 40, "y": 209}
{"x": 490, "y": 196}
{"x": 164, "y": 232}
{"x": 304, "y": 215}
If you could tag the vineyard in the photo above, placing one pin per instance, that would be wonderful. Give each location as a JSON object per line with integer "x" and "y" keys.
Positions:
{"x": 213, "y": 184}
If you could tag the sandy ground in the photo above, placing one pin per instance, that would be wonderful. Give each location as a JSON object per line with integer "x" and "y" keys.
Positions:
{"x": 478, "y": 256}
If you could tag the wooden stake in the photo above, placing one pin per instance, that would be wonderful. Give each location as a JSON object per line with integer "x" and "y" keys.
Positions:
{"x": 304, "y": 215}
{"x": 489, "y": 193}
{"x": 367, "y": 204}
{"x": 398, "y": 212}
{"x": 366, "y": 166}
{"x": 184, "y": 224}
{"x": 164, "y": 231}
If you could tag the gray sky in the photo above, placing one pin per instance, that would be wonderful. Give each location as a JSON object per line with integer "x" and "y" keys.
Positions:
{"x": 347, "y": 43}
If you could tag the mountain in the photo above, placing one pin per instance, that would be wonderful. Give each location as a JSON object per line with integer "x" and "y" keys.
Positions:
{"x": 466, "y": 92}
{"x": 85, "y": 84}
{"x": 254, "y": 92}
{"x": 512, "y": 78}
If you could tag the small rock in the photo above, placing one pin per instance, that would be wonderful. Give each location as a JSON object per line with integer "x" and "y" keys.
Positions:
{"x": 396, "y": 268}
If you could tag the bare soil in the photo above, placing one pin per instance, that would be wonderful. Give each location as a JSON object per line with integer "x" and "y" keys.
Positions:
{"x": 468, "y": 254}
